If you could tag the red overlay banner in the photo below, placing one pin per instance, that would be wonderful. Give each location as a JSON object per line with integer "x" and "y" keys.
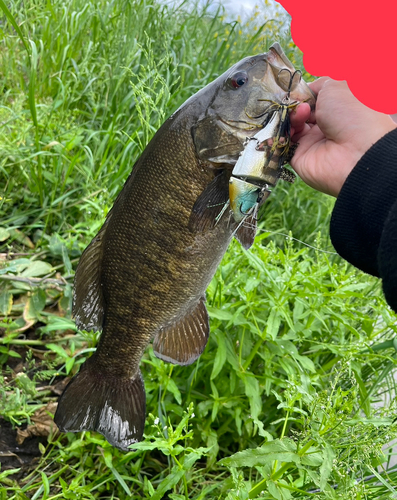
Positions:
{"x": 350, "y": 40}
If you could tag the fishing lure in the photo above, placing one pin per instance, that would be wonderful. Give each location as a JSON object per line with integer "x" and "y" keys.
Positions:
{"x": 261, "y": 161}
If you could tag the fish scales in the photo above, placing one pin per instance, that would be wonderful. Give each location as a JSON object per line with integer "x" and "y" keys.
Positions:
{"x": 161, "y": 252}
{"x": 144, "y": 275}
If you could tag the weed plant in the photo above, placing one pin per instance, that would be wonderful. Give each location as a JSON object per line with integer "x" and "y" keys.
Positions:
{"x": 294, "y": 396}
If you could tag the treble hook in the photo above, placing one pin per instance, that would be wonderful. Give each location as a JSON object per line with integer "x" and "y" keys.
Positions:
{"x": 291, "y": 79}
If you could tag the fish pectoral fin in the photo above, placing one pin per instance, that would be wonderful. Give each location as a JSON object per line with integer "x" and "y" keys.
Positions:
{"x": 88, "y": 300}
{"x": 114, "y": 407}
{"x": 184, "y": 341}
{"x": 210, "y": 203}
{"x": 246, "y": 232}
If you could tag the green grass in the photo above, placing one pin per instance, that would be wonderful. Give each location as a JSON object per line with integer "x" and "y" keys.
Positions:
{"x": 287, "y": 399}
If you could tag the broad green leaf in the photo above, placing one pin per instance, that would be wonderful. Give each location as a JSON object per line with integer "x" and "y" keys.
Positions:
{"x": 145, "y": 445}
{"x": 277, "y": 491}
{"x": 306, "y": 363}
{"x": 69, "y": 365}
{"x": 37, "y": 268}
{"x": 220, "y": 356}
{"x": 313, "y": 457}
{"x": 251, "y": 283}
{"x": 58, "y": 349}
{"x": 30, "y": 315}
{"x": 173, "y": 389}
{"x": 219, "y": 313}
{"x": 4, "y": 234}
{"x": 148, "y": 486}
{"x": 326, "y": 466}
{"x": 190, "y": 459}
{"x": 298, "y": 310}
{"x": 38, "y": 299}
{"x": 5, "y": 303}
{"x": 169, "y": 482}
{"x": 280, "y": 449}
{"x": 58, "y": 323}
{"x": 107, "y": 456}
{"x": 75, "y": 141}
{"x": 19, "y": 236}
{"x": 313, "y": 475}
{"x": 273, "y": 324}
{"x": 13, "y": 354}
{"x": 253, "y": 392}
{"x": 231, "y": 357}
{"x": 15, "y": 266}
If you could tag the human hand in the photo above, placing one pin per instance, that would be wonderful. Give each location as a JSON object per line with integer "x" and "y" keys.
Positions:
{"x": 334, "y": 137}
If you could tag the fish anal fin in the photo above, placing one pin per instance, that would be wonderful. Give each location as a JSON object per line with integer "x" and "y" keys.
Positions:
{"x": 88, "y": 300}
{"x": 210, "y": 203}
{"x": 184, "y": 341}
{"x": 246, "y": 233}
{"x": 114, "y": 407}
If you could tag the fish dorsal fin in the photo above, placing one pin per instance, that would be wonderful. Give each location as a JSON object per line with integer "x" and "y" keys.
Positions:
{"x": 246, "y": 233}
{"x": 88, "y": 301}
{"x": 184, "y": 341}
{"x": 210, "y": 203}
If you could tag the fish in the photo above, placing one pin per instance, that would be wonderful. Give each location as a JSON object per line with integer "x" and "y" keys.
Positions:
{"x": 144, "y": 275}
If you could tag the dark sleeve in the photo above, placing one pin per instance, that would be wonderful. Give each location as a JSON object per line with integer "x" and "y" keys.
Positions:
{"x": 364, "y": 219}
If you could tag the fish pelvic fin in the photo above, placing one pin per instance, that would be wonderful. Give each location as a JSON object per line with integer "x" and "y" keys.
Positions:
{"x": 88, "y": 300}
{"x": 246, "y": 232}
{"x": 112, "y": 406}
{"x": 184, "y": 341}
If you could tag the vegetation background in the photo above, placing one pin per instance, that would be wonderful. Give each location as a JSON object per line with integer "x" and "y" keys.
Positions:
{"x": 294, "y": 396}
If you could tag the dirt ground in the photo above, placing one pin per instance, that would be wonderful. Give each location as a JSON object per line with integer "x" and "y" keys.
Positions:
{"x": 13, "y": 455}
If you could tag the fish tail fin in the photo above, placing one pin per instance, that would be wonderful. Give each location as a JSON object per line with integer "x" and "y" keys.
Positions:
{"x": 112, "y": 406}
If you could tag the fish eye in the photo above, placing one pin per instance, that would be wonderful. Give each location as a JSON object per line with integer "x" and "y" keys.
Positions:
{"x": 238, "y": 79}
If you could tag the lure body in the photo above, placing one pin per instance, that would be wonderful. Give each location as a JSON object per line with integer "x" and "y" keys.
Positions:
{"x": 261, "y": 163}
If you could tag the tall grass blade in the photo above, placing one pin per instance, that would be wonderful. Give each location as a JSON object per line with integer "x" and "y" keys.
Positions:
{"x": 13, "y": 22}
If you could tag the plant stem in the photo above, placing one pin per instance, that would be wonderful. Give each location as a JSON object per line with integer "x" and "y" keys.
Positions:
{"x": 276, "y": 475}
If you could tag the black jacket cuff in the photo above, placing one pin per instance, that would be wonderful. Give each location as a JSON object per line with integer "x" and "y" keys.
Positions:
{"x": 365, "y": 204}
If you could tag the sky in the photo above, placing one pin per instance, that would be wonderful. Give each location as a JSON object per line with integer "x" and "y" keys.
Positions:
{"x": 234, "y": 8}
{"x": 243, "y": 8}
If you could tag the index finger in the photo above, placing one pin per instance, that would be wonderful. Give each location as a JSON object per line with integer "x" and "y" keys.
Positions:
{"x": 318, "y": 84}
{"x": 299, "y": 116}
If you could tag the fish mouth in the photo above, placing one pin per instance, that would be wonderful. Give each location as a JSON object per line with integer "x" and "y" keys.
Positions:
{"x": 241, "y": 124}
{"x": 243, "y": 129}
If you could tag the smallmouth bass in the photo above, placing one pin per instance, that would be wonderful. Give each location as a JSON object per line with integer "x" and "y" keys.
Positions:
{"x": 145, "y": 273}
